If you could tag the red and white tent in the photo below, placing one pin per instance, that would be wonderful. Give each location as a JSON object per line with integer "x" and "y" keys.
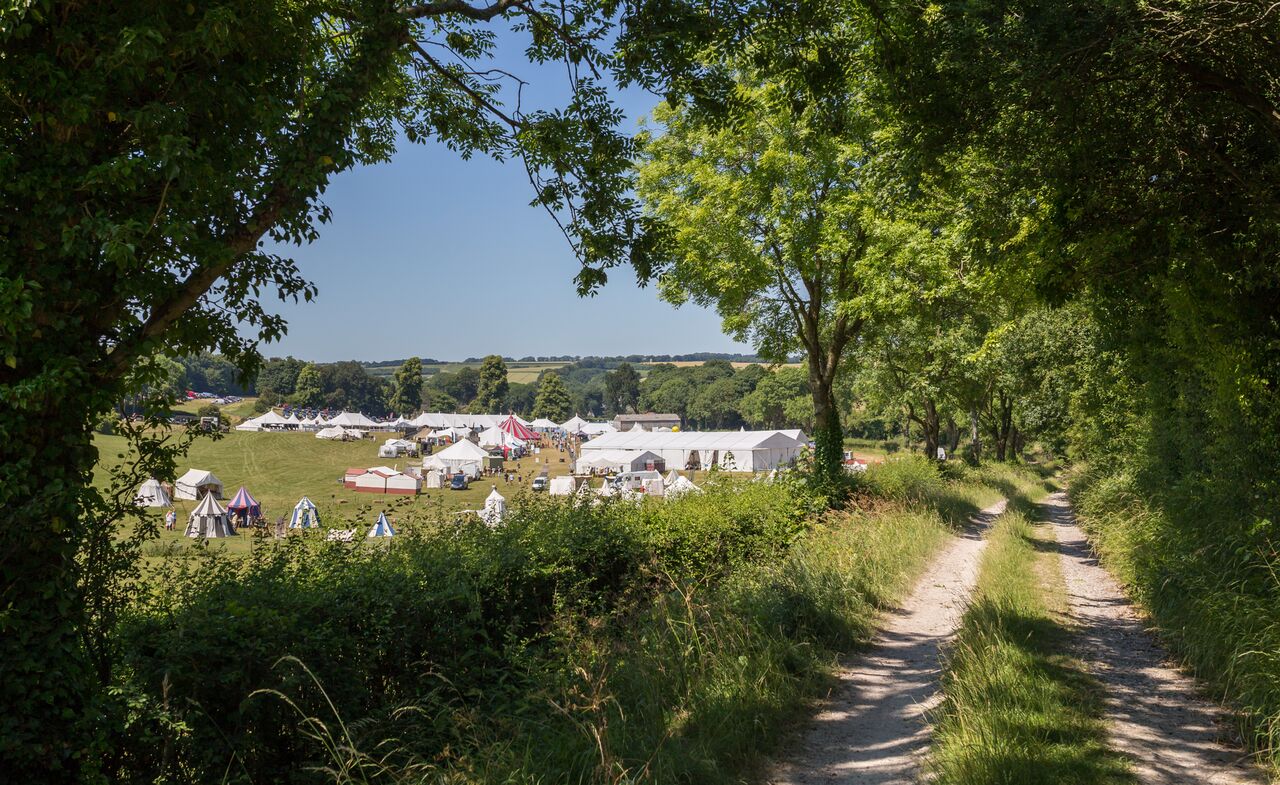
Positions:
{"x": 513, "y": 426}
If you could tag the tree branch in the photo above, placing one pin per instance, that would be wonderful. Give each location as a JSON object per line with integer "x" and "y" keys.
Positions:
{"x": 445, "y": 7}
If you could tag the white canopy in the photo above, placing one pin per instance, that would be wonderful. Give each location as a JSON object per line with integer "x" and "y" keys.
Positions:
{"x": 561, "y": 486}
{"x": 353, "y": 420}
{"x": 637, "y": 427}
{"x": 680, "y": 485}
{"x": 496, "y": 437}
{"x": 152, "y": 494}
{"x": 495, "y": 508}
{"x": 597, "y": 428}
{"x": 196, "y": 482}
{"x": 573, "y": 424}
{"x": 270, "y": 418}
{"x": 543, "y": 424}
{"x": 332, "y": 432}
{"x": 209, "y": 520}
{"x": 733, "y": 450}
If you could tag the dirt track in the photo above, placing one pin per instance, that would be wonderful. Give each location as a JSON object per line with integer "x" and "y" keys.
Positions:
{"x": 1172, "y": 735}
{"x": 872, "y": 729}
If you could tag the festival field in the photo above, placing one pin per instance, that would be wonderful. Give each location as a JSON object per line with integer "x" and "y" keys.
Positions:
{"x": 280, "y": 468}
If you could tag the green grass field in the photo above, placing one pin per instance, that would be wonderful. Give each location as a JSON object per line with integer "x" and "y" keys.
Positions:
{"x": 280, "y": 468}
{"x": 522, "y": 373}
{"x": 236, "y": 411}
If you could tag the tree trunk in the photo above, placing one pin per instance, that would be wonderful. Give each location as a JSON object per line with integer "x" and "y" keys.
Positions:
{"x": 953, "y": 436}
{"x": 930, "y": 426}
{"x": 975, "y": 435}
{"x": 47, "y": 733}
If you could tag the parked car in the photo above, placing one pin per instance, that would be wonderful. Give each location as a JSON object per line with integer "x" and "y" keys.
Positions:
{"x": 458, "y": 482}
{"x": 540, "y": 482}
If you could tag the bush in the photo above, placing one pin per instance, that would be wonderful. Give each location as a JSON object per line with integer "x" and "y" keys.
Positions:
{"x": 910, "y": 478}
{"x": 890, "y": 446}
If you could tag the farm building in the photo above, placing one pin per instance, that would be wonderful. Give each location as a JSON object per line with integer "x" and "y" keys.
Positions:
{"x": 649, "y": 421}
{"x": 745, "y": 451}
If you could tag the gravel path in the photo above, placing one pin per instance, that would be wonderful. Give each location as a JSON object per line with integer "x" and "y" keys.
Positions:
{"x": 872, "y": 728}
{"x": 1172, "y": 735}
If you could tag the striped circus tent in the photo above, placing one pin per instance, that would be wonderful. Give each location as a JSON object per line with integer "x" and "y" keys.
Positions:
{"x": 243, "y": 503}
{"x": 305, "y": 515}
{"x": 517, "y": 429}
{"x": 382, "y": 527}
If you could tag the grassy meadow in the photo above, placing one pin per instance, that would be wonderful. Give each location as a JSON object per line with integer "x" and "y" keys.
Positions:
{"x": 280, "y": 468}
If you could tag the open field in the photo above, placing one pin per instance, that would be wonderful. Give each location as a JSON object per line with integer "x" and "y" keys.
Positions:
{"x": 236, "y": 411}
{"x": 279, "y": 468}
{"x": 517, "y": 372}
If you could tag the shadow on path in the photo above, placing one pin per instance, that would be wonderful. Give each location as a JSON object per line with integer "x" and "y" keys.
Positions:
{"x": 872, "y": 730}
{"x": 1156, "y": 716}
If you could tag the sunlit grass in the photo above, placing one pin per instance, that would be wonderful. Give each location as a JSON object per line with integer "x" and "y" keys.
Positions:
{"x": 1016, "y": 708}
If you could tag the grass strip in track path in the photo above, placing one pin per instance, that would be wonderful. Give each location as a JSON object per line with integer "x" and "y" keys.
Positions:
{"x": 1157, "y": 715}
{"x": 1016, "y": 709}
{"x": 872, "y": 730}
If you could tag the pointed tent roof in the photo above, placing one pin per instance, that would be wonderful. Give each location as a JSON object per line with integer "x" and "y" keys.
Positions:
{"x": 517, "y": 429}
{"x": 269, "y": 417}
{"x": 462, "y": 451}
{"x": 637, "y": 428}
{"x": 209, "y": 520}
{"x": 382, "y": 527}
{"x": 244, "y": 502}
{"x": 352, "y": 420}
{"x": 152, "y": 494}
{"x": 496, "y": 437}
{"x": 305, "y": 515}
{"x": 573, "y": 424}
{"x": 495, "y": 507}
{"x": 543, "y": 422}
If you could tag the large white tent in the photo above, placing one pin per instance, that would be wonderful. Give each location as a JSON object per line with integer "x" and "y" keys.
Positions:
{"x": 496, "y": 437}
{"x": 543, "y": 424}
{"x": 597, "y": 428}
{"x": 464, "y": 456}
{"x": 617, "y": 461}
{"x": 748, "y": 451}
{"x": 152, "y": 494}
{"x": 209, "y": 520}
{"x": 195, "y": 483}
{"x": 573, "y": 424}
{"x": 353, "y": 420}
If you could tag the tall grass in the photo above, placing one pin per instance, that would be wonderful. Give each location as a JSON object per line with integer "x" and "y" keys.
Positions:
{"x": 1209, "y": 579}
{"x": 664, "y": 642}
{"x": 1016, "y": 710}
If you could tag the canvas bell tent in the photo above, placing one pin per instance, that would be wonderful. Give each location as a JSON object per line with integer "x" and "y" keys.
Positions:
{"x": 152, "y": 494}
{"x": 305, "y": 515}
{"x": 209, "y": 520}
{"x": 196, "y": 483}
{"x": 382, "y": 527}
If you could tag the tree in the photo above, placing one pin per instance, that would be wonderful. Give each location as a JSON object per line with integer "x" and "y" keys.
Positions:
{"x": 715, "y": 405}
{"x": 767, "y": 405}
{"x": 279, "y": 375}
{"x": 520, "y": 397}
{"x": 554, "y": 401}
{"x": 491, "y": 392}
{"x": 773, "y": 220}
{"x": 406, "y": 387}
{"x": 622, "y": 389}
{"x": 308, "y": 389}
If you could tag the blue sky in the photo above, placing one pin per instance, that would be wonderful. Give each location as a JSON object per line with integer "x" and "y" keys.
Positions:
{"x": 434, "y": 256}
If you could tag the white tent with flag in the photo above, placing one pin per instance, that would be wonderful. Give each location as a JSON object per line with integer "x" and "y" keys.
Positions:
{"x": 152, "y": 494}
{"x": 196, "y": 483}
{"x": 382, "y": 527}
{"x": 209, "y": 520}
{"x": 305, "y": 515}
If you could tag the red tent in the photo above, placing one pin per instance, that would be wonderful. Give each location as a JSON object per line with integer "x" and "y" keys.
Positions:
{"x": 512, "y": 426}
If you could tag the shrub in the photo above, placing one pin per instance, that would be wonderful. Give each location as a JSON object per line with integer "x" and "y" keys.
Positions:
{"x": 890, "y": 446}
{"x": 910, "y": 478}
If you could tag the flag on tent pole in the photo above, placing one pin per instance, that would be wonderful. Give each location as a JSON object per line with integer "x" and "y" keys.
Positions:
{"x": 382, "y": 527}
{"x": 305, "y": 515}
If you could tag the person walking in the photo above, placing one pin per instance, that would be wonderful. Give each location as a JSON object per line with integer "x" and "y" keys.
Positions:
{"x": 170, "y": 520}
